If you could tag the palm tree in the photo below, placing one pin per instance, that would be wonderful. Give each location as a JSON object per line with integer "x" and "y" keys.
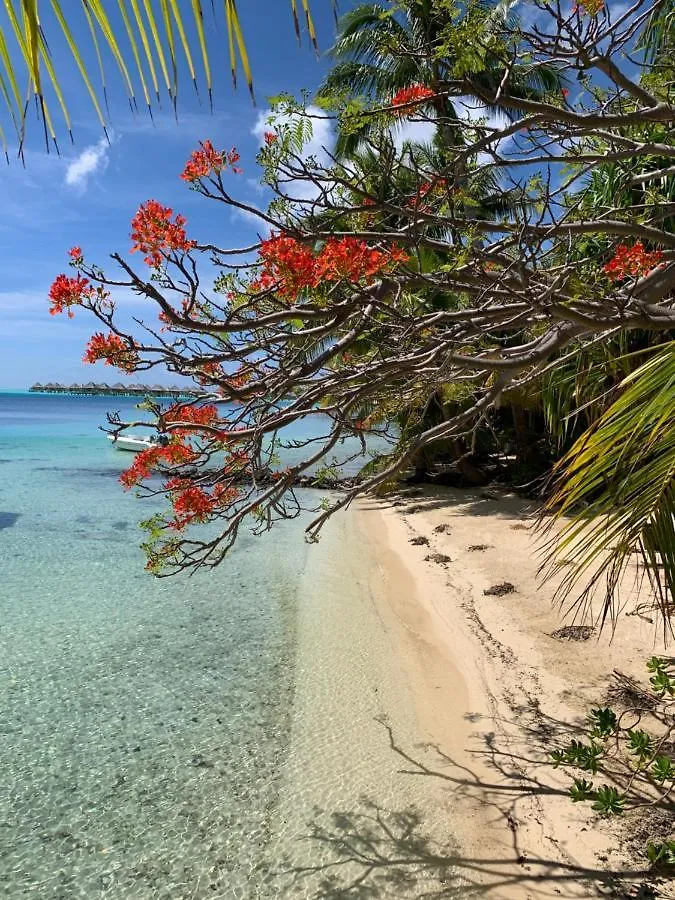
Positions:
{"x": 146, "y": 42}
{"x": 378, "y": 54}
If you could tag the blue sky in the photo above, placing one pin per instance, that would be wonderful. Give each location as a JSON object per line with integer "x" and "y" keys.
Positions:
{"x": 88, "y": 195}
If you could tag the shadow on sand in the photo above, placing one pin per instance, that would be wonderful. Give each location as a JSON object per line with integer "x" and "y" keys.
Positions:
{"x": 374, "y": 853}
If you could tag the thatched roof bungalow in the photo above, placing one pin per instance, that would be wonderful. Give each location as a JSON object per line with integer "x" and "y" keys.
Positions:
{"x": 118, "y": 389}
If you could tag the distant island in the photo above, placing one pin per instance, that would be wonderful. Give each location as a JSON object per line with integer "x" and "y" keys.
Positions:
{"x": 113, "y": 390}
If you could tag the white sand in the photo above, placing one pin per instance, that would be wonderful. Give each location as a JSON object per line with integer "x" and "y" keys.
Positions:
{"x": 424, "y": 712}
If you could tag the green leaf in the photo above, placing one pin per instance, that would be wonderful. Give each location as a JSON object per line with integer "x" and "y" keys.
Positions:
{"x": 663, "y": 769}
{"x": 604, "y": 722}
{"x": 615, "y": 494}
{"x": 581, "y": 790}
{"x": 608, "y": 801}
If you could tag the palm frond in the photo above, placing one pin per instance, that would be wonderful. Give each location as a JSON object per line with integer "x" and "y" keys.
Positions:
{"x": 657, "y": 41}
{"x": 147, "y": 57}
{"x": 615, "y": 495}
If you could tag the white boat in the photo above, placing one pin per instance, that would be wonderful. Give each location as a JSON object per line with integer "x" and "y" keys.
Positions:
{"x": 134, "y": 443}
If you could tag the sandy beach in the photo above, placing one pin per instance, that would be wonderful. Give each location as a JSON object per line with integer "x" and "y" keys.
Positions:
{"x": 426, "y": 708}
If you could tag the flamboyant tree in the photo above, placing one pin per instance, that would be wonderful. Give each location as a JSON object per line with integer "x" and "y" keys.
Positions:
{"x": 362, "y": 300}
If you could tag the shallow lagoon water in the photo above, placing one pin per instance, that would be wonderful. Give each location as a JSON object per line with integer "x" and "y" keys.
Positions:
{"x": 142, "y": 721}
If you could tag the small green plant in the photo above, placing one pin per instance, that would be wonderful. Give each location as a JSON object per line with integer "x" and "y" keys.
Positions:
{"x": 637, "y": 766}
{"x": 661, "y": 854}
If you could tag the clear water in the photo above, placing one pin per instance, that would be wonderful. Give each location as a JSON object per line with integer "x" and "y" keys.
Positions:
{"x": 142, "y": 721}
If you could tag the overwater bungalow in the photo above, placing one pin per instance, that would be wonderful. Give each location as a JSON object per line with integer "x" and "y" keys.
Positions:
{"x": 102, "y": 389}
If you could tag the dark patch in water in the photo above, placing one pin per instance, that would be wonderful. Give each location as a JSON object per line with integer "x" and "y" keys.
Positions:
{"x": 120, "y": 526}
{"x": 5, "y": 461}
{"x": 83, "y": 520}
{"x": 8, "y": 519}
{"x": 80, "y": 472}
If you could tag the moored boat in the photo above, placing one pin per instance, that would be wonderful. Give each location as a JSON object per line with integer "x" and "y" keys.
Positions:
{"x": 132, "y": 442}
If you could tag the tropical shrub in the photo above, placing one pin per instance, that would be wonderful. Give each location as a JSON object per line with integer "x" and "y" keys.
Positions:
{"x": 636, "y": 765}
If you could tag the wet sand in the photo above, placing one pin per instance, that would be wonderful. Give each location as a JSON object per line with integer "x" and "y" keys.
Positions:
{"x": 425, "y": 710}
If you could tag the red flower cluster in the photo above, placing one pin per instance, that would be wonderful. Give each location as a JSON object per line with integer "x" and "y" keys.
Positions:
{"x": 289, "y": 266}
{"x": 147, "y": 461}
{"x": 437, "y": 186}
{"x": 210, "y": 370}
{"x": 350, "y": 259}
{"x": 416, "y": 93}
{"x": 154, "y": 234}
{"x": 66, "y": 292}
{"x": 194, "y": 415}
{"x": 208, "y": 160}
{"x": 75, "y": 253}
{"x": 191, "y": 504}
{"x": 631, "y": 261}
{"x": 194, "y": 504}
{"x": 113, "y": 349}
{"x": 270, "y": 138}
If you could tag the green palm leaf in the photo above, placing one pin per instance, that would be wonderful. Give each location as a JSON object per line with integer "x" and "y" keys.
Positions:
{"x": 615, "y": 494}
{"x": 132, "y": 37}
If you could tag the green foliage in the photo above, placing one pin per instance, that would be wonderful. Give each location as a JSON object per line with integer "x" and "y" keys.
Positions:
{"x": 582, "y": 756}
{"x": 608, "y": 801}
{"x": 604, "y": 722}
{"x": 581, "y": 790}
{"x": 621, "y": 473}
{"x": 640, "y": 745}
{"x": 661, "y": 680}
{"x": 662, "y": 853}
{"x": 635, "y": 761}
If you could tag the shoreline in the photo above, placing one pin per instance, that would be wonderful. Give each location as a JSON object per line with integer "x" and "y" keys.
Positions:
{"x": 425, "y": 711}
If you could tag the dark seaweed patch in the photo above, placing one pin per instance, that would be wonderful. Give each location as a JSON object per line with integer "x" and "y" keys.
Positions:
{"x": 8, "y": 519}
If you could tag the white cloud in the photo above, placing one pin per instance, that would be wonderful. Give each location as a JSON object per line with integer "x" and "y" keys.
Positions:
{"x": 417, "y": 132}
{"x": 93, "y": 159}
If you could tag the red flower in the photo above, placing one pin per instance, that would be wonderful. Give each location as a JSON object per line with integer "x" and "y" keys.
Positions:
{"x": 113, "y": 350}
{"x": 437, "y": 186}
{"x": 289, "y": 267}
{"x": 210, "y": 370}
{"x": 75, "y": 252}
{"x": 207, "y": 160}
{"x": 270, "y": 138}
{"x": 193, "y": 415}
{"x": 66, "y": 292}
{"x": 414, "y": 94}
{"x": 352, "y": 260}
{"x": 194, "y": 504}
{"x": 147, "y": 461}
{"x": 154, "y": 234}
{"x": 632, "y": 261}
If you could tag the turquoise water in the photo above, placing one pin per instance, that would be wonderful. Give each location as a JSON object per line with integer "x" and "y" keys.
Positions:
{"x": 142, "y": 721}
